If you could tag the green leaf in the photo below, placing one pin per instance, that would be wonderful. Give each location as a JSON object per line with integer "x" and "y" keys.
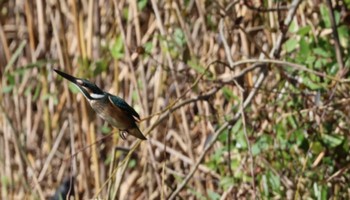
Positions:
{"x": 38, "y": 64}
{"x": 344, "y": 36}
{"x": 7, "y": 89}
{"x": 11, "y": 79}
{"x": 141, "y": 4}
{"x": 125, "y": 13}
{"x": 213, "y": 195}
{"x": 298, "y": 136}
{"x": 261, "y": 144}
{"x": 37, "y": 92}
{"x": 46, "y": 97}
{"x": 292, "y": 28}
{"x": 117, "y": 48}
{"x": 148, "y": 47}
{"x": 325, "y": 15}
{"x": 320, "y": 63}
{"x": 194, "y": 64}
{"x": 16, "y": 55}
{"x": 347, "y": 3}
{"x": 310, "y": 60}
{"x": 291, "y": 120}
{"x": 218, "y": 154}
{"x": 321, "y": 52}
{"x": 304, "y": 30}
{"x": 311, "y": 84}
{"x": 304, "y": 48}
{"x": 197, "y": 194}
{"x": 236, "y": 127}
{"x": 108, "y": 160}
{"x": 320, "y": 191}
{"x": 290, "y": 45}
{"x": 228, "y": 94}
{"x": 28, "y": 90}
{"x": 179, "y": 37}
{"x": 332, "y": 140}
{"x": 101, "y": 66}
{"x": 132, "y": 163}
{"x": 235, "y": 163}
{"x": 274, "y": 181}
{"x": 5, "y": 181}
{"x": 73, "y": 88}
{"x": 317, "y": 148}
{"x": 333, "y": 69}
{"x": 256, "y": 149}
{"x": 227, "y": 182}
{"x": 105, "y": 129}
{"x": 265, "y": 185}
{"x": 281, "y": 135}
{"x": 241, "y": 141}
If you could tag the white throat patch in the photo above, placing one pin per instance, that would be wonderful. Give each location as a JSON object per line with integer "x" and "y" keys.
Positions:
{"x": 97, "y": 96}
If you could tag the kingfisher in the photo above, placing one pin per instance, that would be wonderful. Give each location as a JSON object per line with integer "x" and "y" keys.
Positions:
{"x": 111, "y": 108}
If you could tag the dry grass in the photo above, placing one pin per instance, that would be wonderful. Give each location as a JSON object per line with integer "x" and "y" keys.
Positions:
{"x": 206, "y": 77}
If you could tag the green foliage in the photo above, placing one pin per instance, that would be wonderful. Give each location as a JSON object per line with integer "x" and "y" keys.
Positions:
{"x": 215, "y": 162}
{"x": 241, "y": 142}
{"x": 227, "y": 182}
{"x": 194, "y": 64}
{"x": 73, "y": 88}
{"x": 141, "y": 4}
{"x": 332, "y": 141}
{"x": 117, "y": 48}
{"x": 148, "y": 47}
{"x": 317, "y": 52}
{"x": 229, "y": 95}
{"x": 197, "y": 194}
{"x": 132, "y": 163}
{"x": 320, "y": 191}
{"x": 291, "y": 45}
{"x": 271, "y": 183}
{"x": 179, "y": 37}
{"x": 105, "y": 129}
{"x": 16, "y": 54}
{"x": 176, "y": 44}
{"x": 213, "y": 195}
{"x": 10, "y": 75}
{"x": 325, "y": 14}
{"x": 262, "y": 144}
{"x": 100, "y": 66}
{"x": 11, "y": 84}
{"x": 344, "y": 35}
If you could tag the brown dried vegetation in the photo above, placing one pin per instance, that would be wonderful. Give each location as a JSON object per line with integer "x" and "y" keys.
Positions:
{"x": 238, "y": 99}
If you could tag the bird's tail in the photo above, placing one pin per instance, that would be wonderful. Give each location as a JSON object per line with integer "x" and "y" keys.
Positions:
{"x": 137, "y": 133}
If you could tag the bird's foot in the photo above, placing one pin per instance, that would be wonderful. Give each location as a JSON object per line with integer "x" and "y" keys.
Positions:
{"x": 123, "y": 134}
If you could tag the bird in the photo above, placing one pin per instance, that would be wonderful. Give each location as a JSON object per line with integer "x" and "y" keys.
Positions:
{"x": 111, "y": 108}
{"x": 65, "y": 190}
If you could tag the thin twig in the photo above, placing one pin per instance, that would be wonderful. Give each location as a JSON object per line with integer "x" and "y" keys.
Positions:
{"x": 338, "y": 48}
{"x": 293, "y": 65}
{"x": 248, "y": 144}
{"x": 52, "y": 151}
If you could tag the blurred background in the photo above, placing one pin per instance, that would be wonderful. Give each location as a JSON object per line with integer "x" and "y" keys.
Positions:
{"x": 238, "y": 99}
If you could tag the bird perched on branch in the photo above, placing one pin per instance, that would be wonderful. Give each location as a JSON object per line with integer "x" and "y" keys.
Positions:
{"x": 111, "y": 108}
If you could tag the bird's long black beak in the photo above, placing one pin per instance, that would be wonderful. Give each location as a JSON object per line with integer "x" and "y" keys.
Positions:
{"x": 68, "y": 77}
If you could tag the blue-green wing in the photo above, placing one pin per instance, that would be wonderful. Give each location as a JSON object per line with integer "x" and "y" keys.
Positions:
{"x": 117, "y": 101}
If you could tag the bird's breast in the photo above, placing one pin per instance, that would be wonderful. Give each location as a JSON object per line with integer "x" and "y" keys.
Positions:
{"x": 112, "y": 114}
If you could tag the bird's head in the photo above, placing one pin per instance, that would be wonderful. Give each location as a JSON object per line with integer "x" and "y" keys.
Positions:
{"x": 90, "y": 90}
